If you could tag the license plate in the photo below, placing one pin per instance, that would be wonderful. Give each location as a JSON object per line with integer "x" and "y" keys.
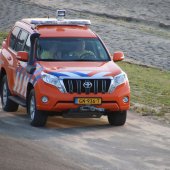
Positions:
{"x": 87, "y": 101}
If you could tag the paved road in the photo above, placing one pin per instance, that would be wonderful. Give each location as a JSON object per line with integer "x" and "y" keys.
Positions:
{"x": 75, "y": 144}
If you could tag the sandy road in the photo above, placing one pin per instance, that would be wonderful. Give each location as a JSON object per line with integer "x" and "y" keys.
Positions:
{"x": 83, "y": 144}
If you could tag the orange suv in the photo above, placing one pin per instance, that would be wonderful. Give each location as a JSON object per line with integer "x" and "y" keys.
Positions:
{"x": 60, "y": 67}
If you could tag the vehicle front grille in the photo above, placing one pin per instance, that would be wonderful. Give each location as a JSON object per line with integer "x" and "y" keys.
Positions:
{"x": 78, "y": 85}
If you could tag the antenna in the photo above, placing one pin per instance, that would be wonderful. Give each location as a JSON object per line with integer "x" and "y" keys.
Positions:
{"x": 48, "y": 9}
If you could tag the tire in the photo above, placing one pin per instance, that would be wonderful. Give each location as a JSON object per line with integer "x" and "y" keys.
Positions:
{"x": 38, "y": 118}
{"x": 7, "y": 104}
{"x": 117, "y": 118}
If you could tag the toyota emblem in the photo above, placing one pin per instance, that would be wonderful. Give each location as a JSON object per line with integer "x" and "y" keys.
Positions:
{"x": 87, "y": 84}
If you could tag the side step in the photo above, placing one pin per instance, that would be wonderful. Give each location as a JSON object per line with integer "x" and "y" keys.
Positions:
{"x": 18, "y": 100}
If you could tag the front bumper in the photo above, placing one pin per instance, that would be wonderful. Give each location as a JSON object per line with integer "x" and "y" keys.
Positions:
{"x": 59, "y": 102}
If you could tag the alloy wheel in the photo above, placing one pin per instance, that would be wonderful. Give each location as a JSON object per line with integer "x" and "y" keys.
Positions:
{"x": 32, "y": 108}
{"x": 4, "y": 94}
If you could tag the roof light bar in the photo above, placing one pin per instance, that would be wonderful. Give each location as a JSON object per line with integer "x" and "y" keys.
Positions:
{"x": 60, "y": 22}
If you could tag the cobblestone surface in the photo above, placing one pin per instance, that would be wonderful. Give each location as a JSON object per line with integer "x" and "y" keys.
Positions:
{"x": 141, "y": 42}
{"x": 155, "y": 11}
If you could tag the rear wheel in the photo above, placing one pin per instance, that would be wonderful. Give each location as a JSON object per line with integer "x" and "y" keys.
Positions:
{"x": 117, "y": 118}
{"x": 38, "y": 118}
{"x": 7, "y": 104}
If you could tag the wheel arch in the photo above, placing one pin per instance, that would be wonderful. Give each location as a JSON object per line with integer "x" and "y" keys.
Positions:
{"x": 2, "y": 74}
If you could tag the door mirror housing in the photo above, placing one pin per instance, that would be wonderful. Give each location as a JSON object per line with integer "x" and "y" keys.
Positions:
{"x": 22, "y": 56}
{"x": 118, "y": 56}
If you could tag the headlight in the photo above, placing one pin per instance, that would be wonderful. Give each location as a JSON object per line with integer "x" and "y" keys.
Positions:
{"x": 53, "y": 80}
{"x": 118, "y": 80}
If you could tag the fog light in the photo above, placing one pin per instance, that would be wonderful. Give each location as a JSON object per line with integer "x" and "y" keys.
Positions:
{"x": 44, "y": 99}
{"x": 125, "y": 99}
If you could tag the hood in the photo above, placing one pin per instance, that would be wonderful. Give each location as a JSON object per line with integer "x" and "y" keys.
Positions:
{"x": 81, "y": 69}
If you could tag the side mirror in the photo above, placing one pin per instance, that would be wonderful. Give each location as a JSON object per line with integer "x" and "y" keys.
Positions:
{"x": 118, "y": 56}
{"x": 22, "y": 56}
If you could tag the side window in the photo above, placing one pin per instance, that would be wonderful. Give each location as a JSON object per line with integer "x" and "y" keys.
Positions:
{"x": 21, "y": 41}
{"x": 13, "y": 37}
{"x": 27, "y": 46}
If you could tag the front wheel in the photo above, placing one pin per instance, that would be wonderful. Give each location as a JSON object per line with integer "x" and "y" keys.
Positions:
{"x": 117, "y": 118}
{"x": 38, "y": 118}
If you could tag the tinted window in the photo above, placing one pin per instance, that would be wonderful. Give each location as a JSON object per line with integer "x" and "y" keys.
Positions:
{"x": 27, "y": 45}
{"x": 21, "y": 41}
{"x": 13, "y": 37}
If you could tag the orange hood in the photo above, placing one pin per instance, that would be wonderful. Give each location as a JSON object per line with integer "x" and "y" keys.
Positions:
{"x": 81, "y": 69}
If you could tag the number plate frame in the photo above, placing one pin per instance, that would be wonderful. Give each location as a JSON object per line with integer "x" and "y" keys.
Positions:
{"x": 88, "y": 100}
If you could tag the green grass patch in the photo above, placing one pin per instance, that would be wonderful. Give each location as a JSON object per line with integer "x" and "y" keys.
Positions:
{"x": 3, "y": 35}
{"x": 150, "y": 88}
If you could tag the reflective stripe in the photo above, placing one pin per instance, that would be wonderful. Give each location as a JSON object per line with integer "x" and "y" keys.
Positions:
{"x": 38, "y": 70}
{"x": 19, "y": 83}
{"x": 101, "y": 74}
{"x": 16, "y": 81}
{"x": 25, "y": 87}
{"x": 31, "y": 81}
{"x": 82, "y": 74}
{"x": 22, "y": 79}
{"x": 36, "y": 79}
{"x": 24, "y": 84}
{"x": 70, "y": 74}
{"x": 79, "y": 74}
{"x": 25, "y": 94}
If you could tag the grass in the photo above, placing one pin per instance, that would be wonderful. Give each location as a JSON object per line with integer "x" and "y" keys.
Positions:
{"x": 3, "y": 35}
{"x": 150, "y": 89}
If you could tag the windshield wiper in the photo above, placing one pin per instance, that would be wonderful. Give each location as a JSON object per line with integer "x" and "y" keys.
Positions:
{"x": 83, "y": 60}
{"x": 46, "y": 60}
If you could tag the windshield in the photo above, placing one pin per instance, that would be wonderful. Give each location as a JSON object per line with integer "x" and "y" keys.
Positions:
{"x": 71, "y": 49}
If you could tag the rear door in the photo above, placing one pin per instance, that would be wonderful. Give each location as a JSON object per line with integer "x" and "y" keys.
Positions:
{"x": 22, "y": 77}
{"x": 18, "y": 68}
{"x": 19, "y": 72}
{"x": 10, "y": 54}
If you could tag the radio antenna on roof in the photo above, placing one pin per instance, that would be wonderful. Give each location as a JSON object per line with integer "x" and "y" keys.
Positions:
{"x": 48, "y": 9}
